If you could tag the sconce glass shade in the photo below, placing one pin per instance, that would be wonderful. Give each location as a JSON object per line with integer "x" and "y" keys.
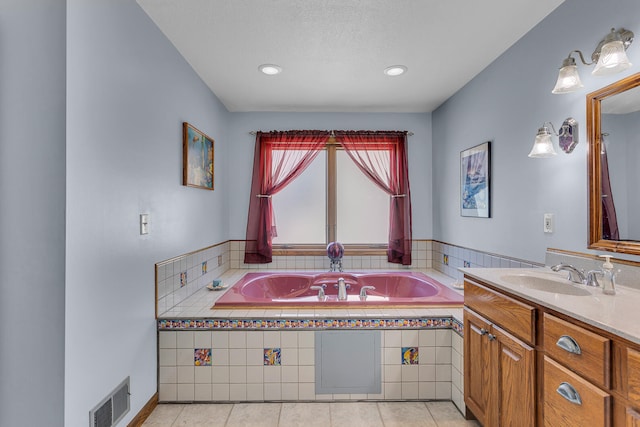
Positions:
{"x": 613, "y": 59}
{"x": 568, "y": 78}
{"x": 543, "y": 145}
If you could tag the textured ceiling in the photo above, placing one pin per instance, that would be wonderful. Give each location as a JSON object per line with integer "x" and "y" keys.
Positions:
{"x": 333, "y": 52}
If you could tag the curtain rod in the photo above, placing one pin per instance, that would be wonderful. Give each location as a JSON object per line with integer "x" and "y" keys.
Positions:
{"x": 253, "y": 132}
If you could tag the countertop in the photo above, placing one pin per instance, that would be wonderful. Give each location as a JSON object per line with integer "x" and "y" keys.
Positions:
{"x": 618, "y": 314}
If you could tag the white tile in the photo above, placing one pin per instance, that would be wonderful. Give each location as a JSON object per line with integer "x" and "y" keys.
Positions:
{"x": 271, "y": 339}
{"x": 185, "y": 339}
{"x": 202, "y": 374}
{"x": 186, "y": 392}
{"x": 427, "y": 355}
{"x": 289, "y": 339}
{"x": 167, "y": 357}
{"x": 220, "y": 339}
{"x": 306, "y": 391}
{"x": 410, "y": 390}
{"x": 427, "y": 338}
{"x": 392, "y": 390}
{"x": 272, "y": 374}
{"x": 427, "y": 390}
{"x": 237, "y": 357}
{"x": 167, "y": 392}
{"x": 289, "y": 356}
{"x": 255, "y": 357}
{"x": 306, "y": 356}
{"x": 306, "y": 374}
{"x": 255, "y": 374}
{"x": 255, "y": 392}
{"x": 289, "y": 374}
{"x": 168, "y": 375}
{"x": 186, "y": 374}
{"x": 392, "y": 356}
{"x": 203, "y": 392}
{"x": 290, "y": 391}
{"x": 167, "y": 339}
{"x": 392, "y": 373}
{"x": 272, "y": 391}
{"x": 409, "y": 338}
{"x": 457, "y": 342}
{"x": 443, "y": 338}
{"x": 443, "y": 373}
{"x": 202, "y": 339}
{"x": 237, "y": 374}
{"x": 393, "y": 338}
{"x": 220, "y": 357}
{"x": 237, "y": 392}
{"x": 238, "y": 339}
{"x": 220, "y": 374}
{"x": 427, "y": 373}
{"x": 443, "y": 355}
{"x": 410, "y": 373}
{"x": 255, "y": 339}
{"x": 221, "y": 392}
{"x": 185, "y": 357}
{"x": 443, "y": 390}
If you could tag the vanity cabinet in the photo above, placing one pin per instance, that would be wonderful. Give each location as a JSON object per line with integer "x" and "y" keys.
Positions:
{"x": 528, "y": 365}
{"x": 499, "y": 358}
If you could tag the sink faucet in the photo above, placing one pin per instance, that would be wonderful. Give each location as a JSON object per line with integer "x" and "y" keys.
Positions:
{"x": 342, "y": 289}
{"x": 575, "y": 275}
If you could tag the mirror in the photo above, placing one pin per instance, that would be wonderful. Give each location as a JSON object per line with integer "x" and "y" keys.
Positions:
{"x": 613, "y": 130}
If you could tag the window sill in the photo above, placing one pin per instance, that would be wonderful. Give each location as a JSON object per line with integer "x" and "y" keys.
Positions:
{"x": 321, "y": 250}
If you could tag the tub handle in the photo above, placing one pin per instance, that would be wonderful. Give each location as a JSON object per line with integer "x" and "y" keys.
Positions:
{"x": 363, "y": 291}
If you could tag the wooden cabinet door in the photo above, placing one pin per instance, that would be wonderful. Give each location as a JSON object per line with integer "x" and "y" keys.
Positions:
{"x": 477, "y": 365}
{"x": 514, "y": 370}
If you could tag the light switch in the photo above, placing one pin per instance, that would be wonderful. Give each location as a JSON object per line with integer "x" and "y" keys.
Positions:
{"x": 144, "y": 224}
{"x": 548, "y": 223}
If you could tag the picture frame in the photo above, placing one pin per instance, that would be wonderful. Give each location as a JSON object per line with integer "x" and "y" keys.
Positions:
{"x": 475, "y": 181}
{"x": 197, "y": 158}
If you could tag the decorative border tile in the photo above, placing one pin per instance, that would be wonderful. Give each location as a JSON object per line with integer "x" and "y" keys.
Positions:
{"x": 457, "y": 326}
{"x": 312, "y": 324}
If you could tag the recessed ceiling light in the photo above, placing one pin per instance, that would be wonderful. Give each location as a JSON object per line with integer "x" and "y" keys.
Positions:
{"x": 395, "y": 70}
{"x": 270, "y": 69}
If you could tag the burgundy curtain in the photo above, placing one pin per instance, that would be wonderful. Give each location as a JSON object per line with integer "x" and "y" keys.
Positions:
{"x": 382, "y": 157}
{"x": 609, "y": 217}
{"x": 279, "y": 158}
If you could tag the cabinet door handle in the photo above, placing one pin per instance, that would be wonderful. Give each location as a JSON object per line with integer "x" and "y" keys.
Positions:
{"x": 483, "y": 331}
{"x": 567, "y": 343}
{"x": 491, "y": 337}
{"x": 567, "y": 391}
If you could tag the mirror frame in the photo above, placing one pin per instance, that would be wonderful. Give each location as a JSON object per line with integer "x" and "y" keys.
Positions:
{"x": 594, "y": 180}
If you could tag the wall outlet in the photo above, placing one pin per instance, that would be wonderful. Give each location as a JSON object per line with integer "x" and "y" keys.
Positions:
{"x": 219, "y": 260}
{"x": 548, "y": 223}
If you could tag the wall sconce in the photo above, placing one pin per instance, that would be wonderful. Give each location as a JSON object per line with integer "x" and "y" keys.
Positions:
{"x": 568, "y": 139}
{"x": 609, "y": 56}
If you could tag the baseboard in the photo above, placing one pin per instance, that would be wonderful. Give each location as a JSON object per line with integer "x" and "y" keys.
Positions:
{"x": 144, "y": 413}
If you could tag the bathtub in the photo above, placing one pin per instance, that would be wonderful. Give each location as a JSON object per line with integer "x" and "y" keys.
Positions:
{"x": 293, "y": 289}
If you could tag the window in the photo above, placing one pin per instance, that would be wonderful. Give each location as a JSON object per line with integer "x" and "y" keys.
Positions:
{"x": 311, "y": 210}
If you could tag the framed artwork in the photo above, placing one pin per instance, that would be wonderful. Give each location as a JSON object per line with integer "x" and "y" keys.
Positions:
{"x": 475, "y": 191}
{"x": 197, "y": 158}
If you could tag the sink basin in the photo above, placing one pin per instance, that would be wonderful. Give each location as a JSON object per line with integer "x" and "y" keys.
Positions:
{"x": 546, "y": 283}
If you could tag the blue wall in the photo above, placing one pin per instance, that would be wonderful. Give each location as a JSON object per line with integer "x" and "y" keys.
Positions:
{"x": 506, "y": 104}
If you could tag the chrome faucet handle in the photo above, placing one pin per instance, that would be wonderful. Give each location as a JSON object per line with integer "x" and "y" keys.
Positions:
{"x": 592, "y": 279}
{"x": 363, "y": 291}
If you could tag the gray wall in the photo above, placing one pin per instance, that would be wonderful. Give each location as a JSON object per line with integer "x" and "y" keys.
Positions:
{"x": 506, "y": 104}
{"x": 242, "y": 146}
{"x": 128, "y": 93}
{"x": 32, "y": 212}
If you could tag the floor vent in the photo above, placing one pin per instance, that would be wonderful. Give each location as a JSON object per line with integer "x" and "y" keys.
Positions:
{"x": 113, "y": 408}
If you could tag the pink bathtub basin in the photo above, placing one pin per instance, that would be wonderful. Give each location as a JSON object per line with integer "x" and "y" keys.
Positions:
{"x": 290, "y": 289}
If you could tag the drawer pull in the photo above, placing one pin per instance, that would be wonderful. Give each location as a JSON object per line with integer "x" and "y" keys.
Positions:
{"x": 569, "y": 344}
{"x": 491, "y": 337}
{"x": 567, "y": 391}
{"x": 483, "y": 331}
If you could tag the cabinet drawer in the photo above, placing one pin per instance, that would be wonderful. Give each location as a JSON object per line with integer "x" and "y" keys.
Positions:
{"x": 512, "y": 315}
{"x": 590, "y": 405}
{"x": 633, "y": 376}
{"x": 581, "y": 350}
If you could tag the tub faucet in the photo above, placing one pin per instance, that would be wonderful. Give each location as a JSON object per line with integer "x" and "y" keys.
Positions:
{"x": 363, "y": 291}
{"x": 575, "y": 275}
{"x": 342, "y": 289}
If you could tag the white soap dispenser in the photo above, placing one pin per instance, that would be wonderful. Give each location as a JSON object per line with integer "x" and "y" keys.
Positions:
{"x": 609, "y": 276}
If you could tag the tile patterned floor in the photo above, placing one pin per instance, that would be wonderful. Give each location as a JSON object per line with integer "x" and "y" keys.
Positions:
{"x": 320, "y": 414}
